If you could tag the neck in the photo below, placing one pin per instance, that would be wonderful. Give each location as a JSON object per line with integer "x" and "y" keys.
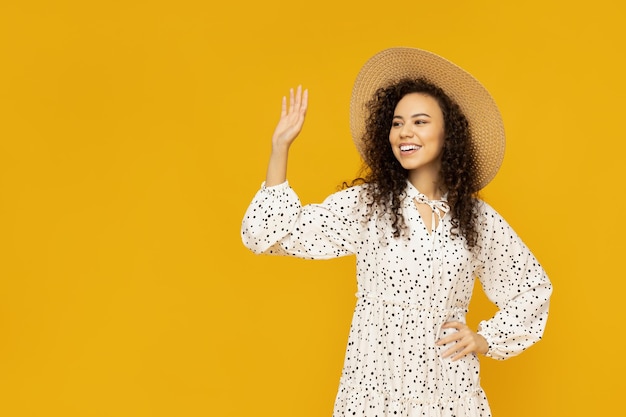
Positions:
{"x": 426, "y": 184}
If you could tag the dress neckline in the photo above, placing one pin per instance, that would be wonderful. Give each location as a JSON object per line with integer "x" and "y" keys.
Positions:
{"x": 439, "y": 208}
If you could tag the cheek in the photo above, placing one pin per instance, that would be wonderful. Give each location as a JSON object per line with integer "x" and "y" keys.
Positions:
{"x": 442, "y": 145}
{"x": 440, "y": 153}
{"x": 442, "y": 142}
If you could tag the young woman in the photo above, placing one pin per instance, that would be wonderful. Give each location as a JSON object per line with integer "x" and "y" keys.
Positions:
{"x": 430, "y": 136}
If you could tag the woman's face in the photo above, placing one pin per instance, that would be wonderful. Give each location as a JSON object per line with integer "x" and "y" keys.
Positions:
{"x": 417, "y": 134}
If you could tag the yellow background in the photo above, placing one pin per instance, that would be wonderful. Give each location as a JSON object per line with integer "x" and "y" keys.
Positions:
{"x": 133, "y": 134}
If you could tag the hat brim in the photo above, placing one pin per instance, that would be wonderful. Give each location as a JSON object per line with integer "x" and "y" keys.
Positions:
{"x": 394, "y": 64}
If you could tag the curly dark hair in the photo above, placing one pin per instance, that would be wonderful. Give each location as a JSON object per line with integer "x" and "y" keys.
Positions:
{"x": 388, "y": 177}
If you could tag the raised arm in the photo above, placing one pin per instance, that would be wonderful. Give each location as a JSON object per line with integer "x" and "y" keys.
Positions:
{"x": 288, "y": 128}
{"x": 276, "y": 223}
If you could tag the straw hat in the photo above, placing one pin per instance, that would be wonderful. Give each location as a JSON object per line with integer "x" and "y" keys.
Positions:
{"x": 391, "y": 65}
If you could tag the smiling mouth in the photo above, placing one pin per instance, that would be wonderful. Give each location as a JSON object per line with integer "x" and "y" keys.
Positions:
{"x": 407, "y": 148}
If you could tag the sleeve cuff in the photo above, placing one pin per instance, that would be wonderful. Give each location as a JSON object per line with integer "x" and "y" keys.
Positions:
{"x": 483, "y": 330}
{"x": 278, "y": 187}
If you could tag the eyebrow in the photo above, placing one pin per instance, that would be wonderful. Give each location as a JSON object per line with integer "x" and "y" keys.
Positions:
{"x": 412, "y": 116}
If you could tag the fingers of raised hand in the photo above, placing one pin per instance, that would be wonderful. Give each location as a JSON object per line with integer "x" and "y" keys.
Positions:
{"x": 298, "y": 102}
{"x": 294, "y": 102}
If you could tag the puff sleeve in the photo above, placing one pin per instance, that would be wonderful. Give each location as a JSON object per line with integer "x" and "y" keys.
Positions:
{"x": 276, "y": 223}
{"x": 513, "y": 279}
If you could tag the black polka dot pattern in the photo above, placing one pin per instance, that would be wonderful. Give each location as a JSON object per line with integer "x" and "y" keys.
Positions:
{"x": 408, "y": 287}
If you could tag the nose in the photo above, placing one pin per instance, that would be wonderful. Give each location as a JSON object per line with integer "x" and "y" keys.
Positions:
{"x": 406, "y": 130}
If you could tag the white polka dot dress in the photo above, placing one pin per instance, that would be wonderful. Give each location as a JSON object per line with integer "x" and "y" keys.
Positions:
{"x": 408, "y": 287}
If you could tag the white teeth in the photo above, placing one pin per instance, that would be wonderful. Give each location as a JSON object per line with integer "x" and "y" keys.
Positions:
{"x": 405, "y": 148}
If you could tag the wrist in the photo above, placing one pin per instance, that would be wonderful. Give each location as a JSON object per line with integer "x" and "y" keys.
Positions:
{"x": 280, "y": 149}
{"x": 483, "y": 345}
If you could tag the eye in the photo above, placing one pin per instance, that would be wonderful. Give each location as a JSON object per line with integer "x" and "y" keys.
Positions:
{"x": 420, "y": 122}
{"x": 396, "y": 124}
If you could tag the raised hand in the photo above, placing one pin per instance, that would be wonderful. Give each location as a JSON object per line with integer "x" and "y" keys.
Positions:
{"x": 465, "y": 341}
{"x": 288, "y": 128}
{"x": 291, "y": 118}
